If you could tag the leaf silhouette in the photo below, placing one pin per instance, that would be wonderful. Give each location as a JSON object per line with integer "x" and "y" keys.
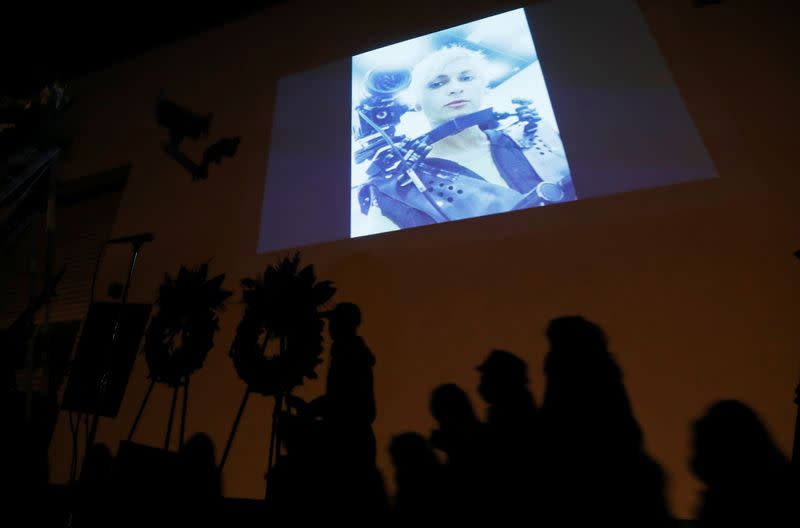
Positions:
{"x": 282, "y": 306}
{"x": 181, "y": 333}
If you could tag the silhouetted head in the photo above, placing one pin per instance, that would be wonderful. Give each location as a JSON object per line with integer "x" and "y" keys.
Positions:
{"x": 198, "y": 450}
{"x": 451, "y": 407}
{"x": 199, "y": 477}
{"x": 577, "y": 347}
{"x": 731, "y": 446}
{"x": 450, "y": 82}
{"x": 574, "y": 332}
{"x": 502, "y": 374}
{"x": 344, "y": 320}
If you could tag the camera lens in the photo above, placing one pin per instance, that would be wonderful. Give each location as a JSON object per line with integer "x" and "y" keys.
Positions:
{"x": 387, "y": 82}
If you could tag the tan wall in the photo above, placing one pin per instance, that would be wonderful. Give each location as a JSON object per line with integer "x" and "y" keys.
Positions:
{"x": 695, "y": 284}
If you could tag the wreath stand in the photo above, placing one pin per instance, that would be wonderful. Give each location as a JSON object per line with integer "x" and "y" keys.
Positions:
{"x": 188, "y": 305}
{"x": 274, "y": 437}
{"x": 184, "y": 383}
{"x": 282, "y": 305}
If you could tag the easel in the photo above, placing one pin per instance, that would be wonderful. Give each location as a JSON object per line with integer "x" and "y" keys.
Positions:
{"x": 274, "y": 439}
{"x": 184, "y": 382}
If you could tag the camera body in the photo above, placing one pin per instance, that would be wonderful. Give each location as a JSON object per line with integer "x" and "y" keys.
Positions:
{"x": 181, "y": 122}
{"x": 379, "y": 111}
{"x": 380, "y": 106}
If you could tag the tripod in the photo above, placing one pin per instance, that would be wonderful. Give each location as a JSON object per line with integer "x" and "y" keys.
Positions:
{"x": 275, "y": 436}
{"x": 796, "y": 445}
{"x": 184, "y": 409}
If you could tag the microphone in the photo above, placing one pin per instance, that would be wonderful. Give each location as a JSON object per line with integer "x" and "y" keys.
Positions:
{"x": 136, "y": 240}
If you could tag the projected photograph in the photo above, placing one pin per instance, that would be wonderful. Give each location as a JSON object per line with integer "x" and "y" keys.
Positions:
{"x": 453, "y": 125}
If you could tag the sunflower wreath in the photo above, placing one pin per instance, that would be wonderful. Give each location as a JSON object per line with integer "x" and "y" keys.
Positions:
{"x": 181, "y": 334}
{"x": 278, "y": 342}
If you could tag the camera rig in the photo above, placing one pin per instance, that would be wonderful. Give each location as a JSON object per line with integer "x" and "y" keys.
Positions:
{"x": 397, "y": 156}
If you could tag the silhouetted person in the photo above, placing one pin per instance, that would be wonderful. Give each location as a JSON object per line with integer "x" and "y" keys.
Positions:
{"x": 298, "y": 478}
{"x": 149, "y": 490}
{"x": 199, "y": 489}
{"x": 353, "y": 485}
{"x": 512, "y": 432}
{"x": 418, "y": 499}
{"x": 464, "y": 441}
{"x": 347, "y": 408}
{"x": 748, "y": 480}
{"x": 595, "y": 469}
{"x": 459, "y": 434}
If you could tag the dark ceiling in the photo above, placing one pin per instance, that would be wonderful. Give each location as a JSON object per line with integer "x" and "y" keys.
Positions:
{"x": 65, "y": 41}
{"x": 41, "y": 43}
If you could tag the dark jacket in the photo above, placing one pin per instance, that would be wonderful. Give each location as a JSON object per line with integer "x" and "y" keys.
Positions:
{"x": 458, "y": 191}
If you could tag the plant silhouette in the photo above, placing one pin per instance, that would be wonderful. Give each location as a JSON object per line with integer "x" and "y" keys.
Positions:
{"x": 181, "y": 334}
{"x": 282, "y": 307}
{"x": 278, "y": 342}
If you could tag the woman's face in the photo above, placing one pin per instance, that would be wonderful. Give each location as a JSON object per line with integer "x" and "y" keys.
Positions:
{"x": 455, "y": 90}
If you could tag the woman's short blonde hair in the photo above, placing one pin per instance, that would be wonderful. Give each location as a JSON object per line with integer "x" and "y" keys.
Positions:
{"x": 430, "y": 66}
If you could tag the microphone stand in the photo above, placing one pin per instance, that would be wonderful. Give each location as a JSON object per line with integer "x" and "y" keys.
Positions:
{"x": 796, "y": 446}
{"x": 104, "y": 378}
{"x": 796, "y": 443}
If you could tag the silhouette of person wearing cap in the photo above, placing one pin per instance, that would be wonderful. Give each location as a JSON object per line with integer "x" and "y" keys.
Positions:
{"x": 347, "y": 411}
{"x": 348, "y": 406}
{"x": 511, "y": 424}
{"x": 349, "y": 401}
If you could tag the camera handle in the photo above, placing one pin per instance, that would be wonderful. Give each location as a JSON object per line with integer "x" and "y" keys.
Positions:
{"x": 408, "y": 170}
{"x": 410, "y": 157}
